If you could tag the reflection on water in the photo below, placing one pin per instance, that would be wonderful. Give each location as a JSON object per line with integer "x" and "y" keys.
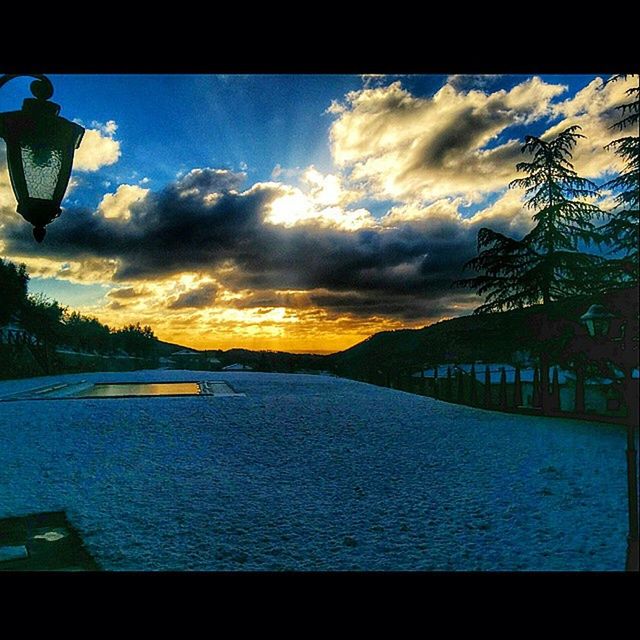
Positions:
{"x": 141, "y": 389}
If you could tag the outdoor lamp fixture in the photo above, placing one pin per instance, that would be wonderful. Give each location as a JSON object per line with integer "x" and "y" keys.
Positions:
{"x": 597, "y": 320}
{"x": 40, "y": 147}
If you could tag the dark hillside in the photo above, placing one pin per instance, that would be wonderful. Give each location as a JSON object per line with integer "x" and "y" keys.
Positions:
{"x": 496, "y": 337}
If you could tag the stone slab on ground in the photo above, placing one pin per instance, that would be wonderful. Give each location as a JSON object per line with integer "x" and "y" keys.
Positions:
{"x": 42, "y": 542}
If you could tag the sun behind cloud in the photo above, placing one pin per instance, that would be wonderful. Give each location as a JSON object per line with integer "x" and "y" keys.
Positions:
{"x": 306, "y": 258}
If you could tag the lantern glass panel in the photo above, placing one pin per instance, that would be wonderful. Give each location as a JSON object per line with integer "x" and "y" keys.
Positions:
{"x": 42, "y": 165}
{"x": 601, "y": 326}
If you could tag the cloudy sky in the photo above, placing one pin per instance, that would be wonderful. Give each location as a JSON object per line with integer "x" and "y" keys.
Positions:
{"x": 298, "y": 213}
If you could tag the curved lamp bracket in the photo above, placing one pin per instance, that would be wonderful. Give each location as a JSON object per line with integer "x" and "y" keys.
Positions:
{"x": 41, "y": 87}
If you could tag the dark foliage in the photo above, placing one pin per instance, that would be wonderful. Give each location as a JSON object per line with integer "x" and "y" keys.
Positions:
{"x": 13, "y": 290}
{"x": 54, "y": 325}
{"x": 547, "y": 264}
{"x": 621, "y": 230}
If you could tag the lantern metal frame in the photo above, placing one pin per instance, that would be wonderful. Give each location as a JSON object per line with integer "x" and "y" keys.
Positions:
{"x": 597, "y": 320}
{"x": 39, "y": 138}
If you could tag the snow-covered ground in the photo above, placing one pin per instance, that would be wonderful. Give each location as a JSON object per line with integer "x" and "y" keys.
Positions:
{"x": 314, "y": 473}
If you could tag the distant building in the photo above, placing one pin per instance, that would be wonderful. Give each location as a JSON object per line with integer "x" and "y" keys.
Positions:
{"x": 166, "y": 363}
{"x": 192, "y": 359}
{"x": 184, "y": 352}
{"x": 13, "y": 333}
{"x": 237, "y": 367}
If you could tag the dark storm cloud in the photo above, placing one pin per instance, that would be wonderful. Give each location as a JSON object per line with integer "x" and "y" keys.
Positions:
{"x": 467, "y": 82}
{"x": 465, "y": 136}
{"x": 170, "y": 231}
{"x": 212, "y": 180}
{"x": 195, "y": 299}
{"x": 467, "y": 132}
{"x": 197, "y": 225}
{"x": 388, "y": 305}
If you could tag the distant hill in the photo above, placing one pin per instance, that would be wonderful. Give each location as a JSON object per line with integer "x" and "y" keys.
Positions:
{"x": 165, "y": 349}
{"x": 280, "y": 361}
{"x": 498, "y": 337}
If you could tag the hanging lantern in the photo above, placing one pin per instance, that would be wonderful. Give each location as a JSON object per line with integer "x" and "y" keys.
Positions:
{"x": 597, "y": 320}
{"x": 40, "y": 148}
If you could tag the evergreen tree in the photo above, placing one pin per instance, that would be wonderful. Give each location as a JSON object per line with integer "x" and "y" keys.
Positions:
{"x": 135, "y": 340}
{"x": 86, "y": 334}
{"x": 509, "y": 269}
{"x": 547, "y": 263}
{"x": 622, "y": 228}
{"x": 13, "y": 290}
{"x": 43, "y": 318}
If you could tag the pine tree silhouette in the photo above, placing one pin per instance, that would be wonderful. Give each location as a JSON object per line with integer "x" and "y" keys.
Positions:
{"x": 621, "y": 231}
{"x": 547, "y": 264}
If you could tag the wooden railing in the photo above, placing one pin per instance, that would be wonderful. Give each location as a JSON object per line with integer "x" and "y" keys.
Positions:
{"x": 461, "y": 387}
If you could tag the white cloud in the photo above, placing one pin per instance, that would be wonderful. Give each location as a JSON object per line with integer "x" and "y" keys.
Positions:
{"x": 322, "y": 200}
{"x": 7, "y": 199}
{"x": 98, "y": 148}
{"x": 507, "y": 214}
{"x": 328, "y": 189}
{"x": 292, "y": 207}
{"x": 118, "y": 205}
{"x": 444, "y": 210}
{"x": 81, "y": 271}
{"x": 110, "y": 128}
{"x": 593, "y": 108}
{"x": 408, "y": 148}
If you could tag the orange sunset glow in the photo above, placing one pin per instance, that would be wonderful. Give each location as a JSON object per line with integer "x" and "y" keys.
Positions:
{"x": 339, "y": 206}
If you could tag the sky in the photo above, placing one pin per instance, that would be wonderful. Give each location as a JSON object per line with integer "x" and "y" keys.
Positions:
{"x": 291, "y": 212}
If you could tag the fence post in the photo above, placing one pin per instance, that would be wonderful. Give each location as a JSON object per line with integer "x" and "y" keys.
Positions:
{"x": 535, "y": 401}
{"x": 545, "y": 396}
{"x": 503, "y": 389}
{"x": 474, "y": 390}
{"x": 517, "y": 389}
{"x": 555, "y": 391}
{"x": 487, "y": 387}
{"x": 579, "y": 399}
{"x": 460, "y": 390}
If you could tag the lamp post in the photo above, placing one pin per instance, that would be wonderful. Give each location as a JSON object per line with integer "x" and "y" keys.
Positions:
{"x": 40, "y": 148}
{"x": 598, "y": 321}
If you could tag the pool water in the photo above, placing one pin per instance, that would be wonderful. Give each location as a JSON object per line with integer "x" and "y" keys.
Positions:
{"x": 126, "y": 389}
